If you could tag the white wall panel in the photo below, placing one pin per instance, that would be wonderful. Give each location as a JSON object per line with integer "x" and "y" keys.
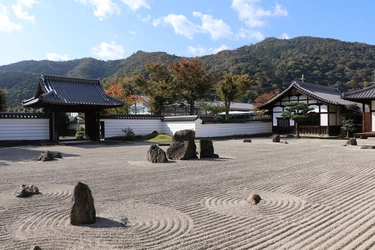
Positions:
{"x": 38, "y": 129}
{"x": 24, "y": 129}
{"x": 324, "y": 108}
{"x": 113, "y": 127}
{"x": 324, "y": 119}
{"x": 171, "y": 127}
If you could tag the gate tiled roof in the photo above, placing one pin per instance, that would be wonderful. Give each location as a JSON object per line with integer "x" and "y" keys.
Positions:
{"x": 65, "y": 91}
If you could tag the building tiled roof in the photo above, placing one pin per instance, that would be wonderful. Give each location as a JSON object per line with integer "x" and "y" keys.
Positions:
{"x": 132, "y": 116}
{"x": 358, "y": 95}
{"x": 58, "y": 90}
{"x": 9, "y": 115}
{"x": 182, "y": 118}
{"x": 320, "y": 93}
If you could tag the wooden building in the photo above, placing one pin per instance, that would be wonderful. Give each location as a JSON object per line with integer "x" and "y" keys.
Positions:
{"x": 366, "y": 97}
{"x": 325, "y": 101}
{"x": 65, "y": 94}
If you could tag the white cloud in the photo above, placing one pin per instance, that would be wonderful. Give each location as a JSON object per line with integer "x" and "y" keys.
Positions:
{"x": 109, "y": 51}
{"x": 285, "y": 36}
{"x": 200, "y": 50}
{"x": 216, "y": 27}
{"x": 147, "y": 19}
{"x": 245, "y": 34}
{"x": 136, "y": 4}
{"x": 57, "y": 57}
{"x": 180, "y": 24}
{"x": 254, "y": 15}
{"x": 5, "y": 24}
{"x": 102, "y": 8}
{"x": 21, "y": 14}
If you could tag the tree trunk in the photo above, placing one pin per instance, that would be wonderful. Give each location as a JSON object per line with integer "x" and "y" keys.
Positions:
{"x": 192, "y": 107}
{"x": 297, "y": 130}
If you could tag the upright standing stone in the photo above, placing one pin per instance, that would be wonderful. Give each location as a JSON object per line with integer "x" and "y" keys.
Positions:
{"x": 83, "y": 210}
{"x": 206, "y": 149}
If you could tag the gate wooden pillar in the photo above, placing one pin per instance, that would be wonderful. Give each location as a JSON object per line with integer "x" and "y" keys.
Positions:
{"x": 92, "y": 125}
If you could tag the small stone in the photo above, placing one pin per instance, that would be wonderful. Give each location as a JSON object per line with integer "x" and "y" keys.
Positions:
{"x": 352, "y": 142}
{"x": 275, "y": 138}
{"x": 35, "y": 248}
{"x": 46, "y": 156}
{"x": 247, "y": 140}
{"x": 253, "y": 199}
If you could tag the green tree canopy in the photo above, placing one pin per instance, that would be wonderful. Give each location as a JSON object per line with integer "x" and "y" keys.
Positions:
{"x": 232, "y": 88}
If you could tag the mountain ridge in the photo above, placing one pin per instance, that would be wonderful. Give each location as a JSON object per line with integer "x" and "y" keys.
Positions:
{"x": 271, "y": 63}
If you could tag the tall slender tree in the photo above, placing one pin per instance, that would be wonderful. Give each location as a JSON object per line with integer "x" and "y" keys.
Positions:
{"x": 192, "y": 80}
{"x": 232, "y": 88}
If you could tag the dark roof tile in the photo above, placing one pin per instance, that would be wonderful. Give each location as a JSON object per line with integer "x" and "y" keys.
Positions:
{"x": 60, "y": 90}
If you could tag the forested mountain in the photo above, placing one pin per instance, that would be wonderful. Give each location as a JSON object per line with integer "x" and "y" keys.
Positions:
{"x": 272, "y": 63}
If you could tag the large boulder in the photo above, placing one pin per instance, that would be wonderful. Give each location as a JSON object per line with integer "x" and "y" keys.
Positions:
{"x": 26, "y": 190}
{"x": 206, "y": 149}
{"x": 183, "y": 146}
{"x": 83, "y": 210}
{"x": 156, "y": 155}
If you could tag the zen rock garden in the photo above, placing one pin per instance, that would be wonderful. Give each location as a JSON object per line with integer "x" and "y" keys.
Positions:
{"x": 182, "y": 148}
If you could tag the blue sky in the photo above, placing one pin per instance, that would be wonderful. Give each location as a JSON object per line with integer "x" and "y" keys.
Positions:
{"x": 115, "y": 29}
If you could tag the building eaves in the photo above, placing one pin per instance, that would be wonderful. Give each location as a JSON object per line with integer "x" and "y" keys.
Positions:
{"x": 366, "y": 93}
{"x": 320, "y": 93}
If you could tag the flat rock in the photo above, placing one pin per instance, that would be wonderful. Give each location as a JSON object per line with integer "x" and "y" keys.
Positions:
{"x": 26, "y": 190}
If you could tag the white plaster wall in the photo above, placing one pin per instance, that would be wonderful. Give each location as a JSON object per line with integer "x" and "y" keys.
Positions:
{"x": 171, "y": 127}
{"x": 229, "y": 129}
{"x": 38, "y": 129}
{"x": 24, "y": 129}
{"x": 113, "y": 127}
